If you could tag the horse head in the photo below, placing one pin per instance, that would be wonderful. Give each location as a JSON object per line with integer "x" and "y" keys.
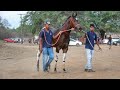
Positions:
{"x": 73, "y": 22}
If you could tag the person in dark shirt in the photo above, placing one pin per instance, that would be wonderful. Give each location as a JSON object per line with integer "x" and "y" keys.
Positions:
{"x": 110, "y": 41}
{"x": 45, "y": 45}
{"x": 89, "y": 46}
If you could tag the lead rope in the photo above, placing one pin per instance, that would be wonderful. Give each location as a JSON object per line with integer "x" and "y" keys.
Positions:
{"x": 89, "y": 41}
{"x": 57, "y": 39}
{"x": 90, "y": 44}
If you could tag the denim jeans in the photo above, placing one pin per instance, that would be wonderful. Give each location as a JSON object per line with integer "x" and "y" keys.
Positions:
{"x": 89, "y": 54}
{"x": 48, "y": 56}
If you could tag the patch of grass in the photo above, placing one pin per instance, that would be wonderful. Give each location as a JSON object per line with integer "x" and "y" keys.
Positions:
{"x": 1, "y": 42}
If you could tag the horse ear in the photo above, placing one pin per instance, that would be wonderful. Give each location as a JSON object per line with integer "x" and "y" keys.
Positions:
{"x": 74, "y": 14}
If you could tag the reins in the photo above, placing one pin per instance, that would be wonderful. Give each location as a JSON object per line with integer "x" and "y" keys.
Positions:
{"x": 56, "y": 40}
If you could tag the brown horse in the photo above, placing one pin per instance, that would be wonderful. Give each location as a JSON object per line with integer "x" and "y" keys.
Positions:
{"x": 62, "y": 42}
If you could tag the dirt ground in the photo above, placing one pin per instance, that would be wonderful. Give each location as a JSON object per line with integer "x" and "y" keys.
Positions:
{"x": 18, "y": 61}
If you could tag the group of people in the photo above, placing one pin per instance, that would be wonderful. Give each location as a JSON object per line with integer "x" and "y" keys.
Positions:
{"x": 47, "y": 50}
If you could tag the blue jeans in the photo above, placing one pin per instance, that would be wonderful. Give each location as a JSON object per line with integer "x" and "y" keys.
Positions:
{"x": 109, "y": 42}
{"x": 48, "y": 56}
{"x": 89, "y": 54}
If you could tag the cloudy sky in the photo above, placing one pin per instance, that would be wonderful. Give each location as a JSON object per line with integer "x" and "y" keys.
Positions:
{"x": 13, "y": 17}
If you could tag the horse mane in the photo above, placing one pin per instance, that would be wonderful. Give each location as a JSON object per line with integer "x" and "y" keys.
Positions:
{"x": 55, "y": 31}
{"x": 66, "y": 20}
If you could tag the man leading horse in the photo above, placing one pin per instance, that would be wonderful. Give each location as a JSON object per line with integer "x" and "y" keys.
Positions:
{"x": 44, "y": 47}
{"x": 60, "y": 40}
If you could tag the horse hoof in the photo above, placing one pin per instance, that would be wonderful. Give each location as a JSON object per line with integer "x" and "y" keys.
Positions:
{"x": 55, "y": 70}
{"x": 38, "y": 69}
{"x": 64, "y": 70}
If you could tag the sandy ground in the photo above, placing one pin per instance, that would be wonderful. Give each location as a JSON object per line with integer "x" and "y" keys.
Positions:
{"x": 19, "y": 62}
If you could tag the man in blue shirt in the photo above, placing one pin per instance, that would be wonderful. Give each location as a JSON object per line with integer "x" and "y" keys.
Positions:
{"x": 89, "y": 46}
{"x": 45, "y": 46}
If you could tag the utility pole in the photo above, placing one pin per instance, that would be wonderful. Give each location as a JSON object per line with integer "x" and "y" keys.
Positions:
{"x": 21, "y": 28}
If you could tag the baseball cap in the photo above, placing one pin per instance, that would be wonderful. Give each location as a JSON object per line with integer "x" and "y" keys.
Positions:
{"x": 47, "y": 22}
{"x": 92, "y": 25}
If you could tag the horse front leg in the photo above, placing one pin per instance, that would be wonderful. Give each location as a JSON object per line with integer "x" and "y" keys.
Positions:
{"x": 64, "y": 57}
{"x": 56, "y": 59}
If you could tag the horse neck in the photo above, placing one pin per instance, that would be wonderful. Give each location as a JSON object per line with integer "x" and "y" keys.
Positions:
{"x": 66, "y": 26}
{"x": 62, "y": 29}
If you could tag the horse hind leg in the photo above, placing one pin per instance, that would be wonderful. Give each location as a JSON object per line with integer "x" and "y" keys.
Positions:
{"x": 38, "y": 59}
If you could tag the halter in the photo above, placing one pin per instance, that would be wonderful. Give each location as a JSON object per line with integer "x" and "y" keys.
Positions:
{"x": 71, "y": 21}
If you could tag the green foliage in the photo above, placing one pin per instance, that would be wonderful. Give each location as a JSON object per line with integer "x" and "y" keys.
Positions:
{"x": 106, "y": 20}
{"x": 5, "y": 32}
{"x": 1, "y": 42}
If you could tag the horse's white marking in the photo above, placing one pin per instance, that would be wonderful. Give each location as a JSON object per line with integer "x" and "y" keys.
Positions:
{"x": 56, "y": 57}
{"x": 38, "y": 55}
{"x": 64, "y": 57}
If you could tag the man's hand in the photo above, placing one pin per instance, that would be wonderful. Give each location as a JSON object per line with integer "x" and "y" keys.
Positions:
{"x": 55, "y": 36}
{"x": 60, "y": 32}
{"x": 72, "y": 29}
{"x": 98, "y": 45}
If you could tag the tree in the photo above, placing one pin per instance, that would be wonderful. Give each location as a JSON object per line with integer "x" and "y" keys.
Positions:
{"x": 109, "y": 21}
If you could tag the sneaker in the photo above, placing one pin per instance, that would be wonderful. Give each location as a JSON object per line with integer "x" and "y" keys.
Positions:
{"x": 46, "y": 70}
{"x": 86, "y": 70}
{"x": 90, "y": 70}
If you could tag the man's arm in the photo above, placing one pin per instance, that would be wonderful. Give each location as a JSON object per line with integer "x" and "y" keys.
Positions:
{"x": 97, "y": 42}
{"x": 98, "y": 45}
{"x": 55, "y": 36}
